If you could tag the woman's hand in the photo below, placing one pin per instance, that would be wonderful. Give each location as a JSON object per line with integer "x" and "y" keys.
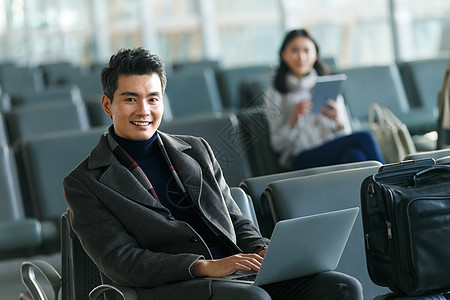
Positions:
{"x": 226, "y": 266}
{"x": 331, "y": 112}
{"x": 301, "y": 108}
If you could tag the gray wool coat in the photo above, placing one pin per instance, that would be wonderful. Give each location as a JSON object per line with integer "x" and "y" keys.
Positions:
{"x": 134, "y": 240}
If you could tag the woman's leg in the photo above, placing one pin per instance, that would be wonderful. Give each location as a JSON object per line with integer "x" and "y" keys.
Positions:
{"x": 350, "y": 148}
{"x": 361, "y": 144}
{"x": 323, "y": 286}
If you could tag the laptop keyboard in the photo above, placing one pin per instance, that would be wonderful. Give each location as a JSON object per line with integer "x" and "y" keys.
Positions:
{"x": 244, "y": 275}
{"x": 251, "y": 277}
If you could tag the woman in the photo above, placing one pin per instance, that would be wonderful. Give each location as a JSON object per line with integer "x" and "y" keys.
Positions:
{"x": 305, "y": 139}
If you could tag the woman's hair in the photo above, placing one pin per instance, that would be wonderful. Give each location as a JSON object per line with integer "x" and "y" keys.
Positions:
{"x": 137, "y": 61}
{"x": 279, "y": 81}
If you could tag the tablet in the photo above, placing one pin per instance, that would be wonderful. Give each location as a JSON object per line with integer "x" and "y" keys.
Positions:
{"x": 327, "y": 88}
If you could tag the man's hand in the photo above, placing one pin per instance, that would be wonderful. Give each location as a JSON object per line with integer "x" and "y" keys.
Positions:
{"x": 226, "y": 266}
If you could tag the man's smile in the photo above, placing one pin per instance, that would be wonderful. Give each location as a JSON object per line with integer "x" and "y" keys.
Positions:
{"x": 141, "y": 123}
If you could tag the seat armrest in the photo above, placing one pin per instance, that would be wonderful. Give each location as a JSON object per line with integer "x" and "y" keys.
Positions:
{"x": 126, "y": 293}
{"x": 20, "y": 234}
{"x": 245, "y": 203}
{"x": 28, "y": 276}
{"x": 268, "y": 206}
{"x": 25, "y": 296}
{"x": 269, "y": 216}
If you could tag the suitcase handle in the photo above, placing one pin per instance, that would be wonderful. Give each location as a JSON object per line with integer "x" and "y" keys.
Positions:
{"x": 428, "y": 172}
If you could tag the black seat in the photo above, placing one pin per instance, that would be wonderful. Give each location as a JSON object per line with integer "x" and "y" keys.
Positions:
{"x": 254, "y": 128}
{"x": 383, "y": 85}
{"x": 423, "y": 81}
{"x": 193, "y": 92}
{"x": 67, "y": 93}
{"x": 19, "y": 235}
{"x": 313, "y": 194}
{"x": 222, "y": 133}
{"x": 16, "y": 81}
{"x": 59, "y": 73}
{"x": 4, "y": 139}
{"x": 79, "y": 275}
{"x": 255, "y": 186}
{"x": 31, "y": 120}
{"x": 230, "y": 80}
{"x": 47, "y": 159}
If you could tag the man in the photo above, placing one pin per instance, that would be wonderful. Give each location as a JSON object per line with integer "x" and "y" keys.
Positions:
{"x": 153, "y": 210}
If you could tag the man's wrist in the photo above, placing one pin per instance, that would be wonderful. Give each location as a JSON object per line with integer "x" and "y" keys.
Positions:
{"x": 197, "y": 268}
{"x": 259, "y": 249}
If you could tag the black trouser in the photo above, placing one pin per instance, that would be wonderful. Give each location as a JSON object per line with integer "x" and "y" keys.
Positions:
{"x": 323, "y": 286}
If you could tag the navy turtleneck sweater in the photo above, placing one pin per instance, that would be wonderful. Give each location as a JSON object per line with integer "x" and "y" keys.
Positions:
{"x": 150, "y": 159}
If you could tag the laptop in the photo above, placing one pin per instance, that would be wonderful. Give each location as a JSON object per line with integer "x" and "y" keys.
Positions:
{"x": 301, "y": 247}
{"x": 326, "y": 88}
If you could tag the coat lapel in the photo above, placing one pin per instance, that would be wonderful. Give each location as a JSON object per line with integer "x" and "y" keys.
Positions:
{"x": 187, "y": 168}
{"x": 117, "y": 177}
{"x": 190, "y": 173}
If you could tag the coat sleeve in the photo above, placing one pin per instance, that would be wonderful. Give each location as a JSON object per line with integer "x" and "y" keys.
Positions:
{"x": 247, "y": 236}
{"x": 115, "y": 251}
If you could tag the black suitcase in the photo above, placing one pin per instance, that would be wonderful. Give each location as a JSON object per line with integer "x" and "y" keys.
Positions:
{"x": 405, "y": 210}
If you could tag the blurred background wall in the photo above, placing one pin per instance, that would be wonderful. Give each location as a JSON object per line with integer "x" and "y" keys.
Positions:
{"x": 234, "y": 32}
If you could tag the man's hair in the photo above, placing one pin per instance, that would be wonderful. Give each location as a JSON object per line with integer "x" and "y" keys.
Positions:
{"x": 137, "y": 61}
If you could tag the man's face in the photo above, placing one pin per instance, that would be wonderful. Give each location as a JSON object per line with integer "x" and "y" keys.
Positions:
{"x": 137, "y": 106}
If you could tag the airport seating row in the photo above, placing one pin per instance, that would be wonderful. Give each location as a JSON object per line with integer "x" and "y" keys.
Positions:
{"x": 40, "y": 162}
{"x": 286, "y": 195}
{"x": 307, "y": 195}
{"x": 410, "y": 89}
{"x": 305, "y": 192}
{"x": 31, "y": 199}
{"x": 239, "y": 141}
{"x": 34, "y": 167}
{"x": 55, "y": 154}
{"x": 43, "y": 160}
